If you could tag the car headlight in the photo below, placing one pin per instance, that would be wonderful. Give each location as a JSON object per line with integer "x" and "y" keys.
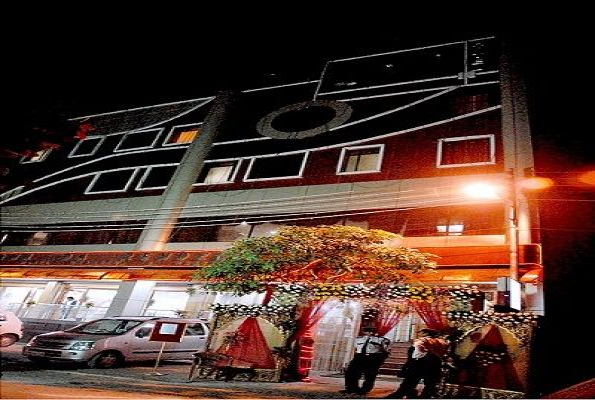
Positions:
{"x": 87, "y": 345}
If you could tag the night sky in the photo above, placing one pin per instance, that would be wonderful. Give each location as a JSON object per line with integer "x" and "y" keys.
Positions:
{"x": 108, "y": 60}
{"x": 80, "y": 62}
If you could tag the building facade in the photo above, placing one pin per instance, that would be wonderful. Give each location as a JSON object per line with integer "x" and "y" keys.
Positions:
{"x": 395, "y": 141}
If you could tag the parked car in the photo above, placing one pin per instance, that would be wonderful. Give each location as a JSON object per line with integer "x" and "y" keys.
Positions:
{"x": 110, "y": 342}
{"x": 11, "y": 328}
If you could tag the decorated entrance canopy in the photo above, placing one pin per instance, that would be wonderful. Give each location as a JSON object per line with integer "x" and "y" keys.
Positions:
{"x": 322, "y": 254}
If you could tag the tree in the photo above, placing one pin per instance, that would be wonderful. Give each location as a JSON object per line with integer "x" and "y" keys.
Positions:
{"x": 322, "y": 254}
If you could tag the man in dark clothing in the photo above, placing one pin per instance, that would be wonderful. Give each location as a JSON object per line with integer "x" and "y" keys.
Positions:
{"x": 370, "y": 352}
{"x": 424, "y": 362}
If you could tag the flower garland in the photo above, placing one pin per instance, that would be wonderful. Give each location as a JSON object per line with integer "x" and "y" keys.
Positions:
{"x": 486, "y": 317}
{"x": 282, "y": 316}
{"x": 521, "y": 324}
{"x": 253, "y": 310}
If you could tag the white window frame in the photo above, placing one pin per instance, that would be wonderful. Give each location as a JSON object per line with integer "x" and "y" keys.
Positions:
{"x": 155, "y": 140}
{"x": 299, "y": 175}
{"x": 230, "y": 179}
{"x": 180, "y": 127}
{"x": 345, "y": 153}
{"x": 39, "y": 156}
{"x": 11, "y": 193}
{"x": 100, "y": 140}
{"x": 133, "y": 175}
{"x": 492, "y": 142}
{"x": 146, "y": 175}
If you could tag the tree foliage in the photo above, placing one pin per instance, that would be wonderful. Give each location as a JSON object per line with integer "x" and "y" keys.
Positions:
{"x": 322, "y": 254}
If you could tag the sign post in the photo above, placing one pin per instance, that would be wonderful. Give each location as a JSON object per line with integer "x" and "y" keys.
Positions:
{"x": 166, "y": 331}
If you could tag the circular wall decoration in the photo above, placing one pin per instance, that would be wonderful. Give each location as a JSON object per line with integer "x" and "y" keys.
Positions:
{"x": 304, "y": 120}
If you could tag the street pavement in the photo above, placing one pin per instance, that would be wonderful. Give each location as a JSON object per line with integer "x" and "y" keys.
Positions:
{"x": 171, "y": 379}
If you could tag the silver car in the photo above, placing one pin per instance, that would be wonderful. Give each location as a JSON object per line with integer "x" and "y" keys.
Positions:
{"x": 109, "y": 342}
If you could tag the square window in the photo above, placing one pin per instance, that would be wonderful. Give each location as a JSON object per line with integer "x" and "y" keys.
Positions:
{"x": 138, "y": 140}
{"x": 466, "y": 151}
{"x": 182, "y": 135}
{"x": 156, "y": 177}
{"x": 87, "y": 147}
{"x": 38, "y": 156}
{"x": 286, "y": 166}
{"x": 360, "y": 159}
{"x": 218, "y": 172}
{"x": 112, "y": 181}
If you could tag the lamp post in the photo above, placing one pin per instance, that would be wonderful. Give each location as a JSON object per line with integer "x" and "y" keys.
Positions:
{"x": 507, "y": 286}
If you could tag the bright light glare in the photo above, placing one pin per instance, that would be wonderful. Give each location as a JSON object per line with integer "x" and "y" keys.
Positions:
{"x": 535, "y": 183}
{"x": 588, "y": 178}
{"x": 482, "y": 191}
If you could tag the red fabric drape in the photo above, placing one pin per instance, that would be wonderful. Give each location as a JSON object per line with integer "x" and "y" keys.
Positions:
{"x": 250, "y": 345}
{"x": 388, "y": 318}
{"x": 431, "y": 314}
{"x": 309, "y": 317}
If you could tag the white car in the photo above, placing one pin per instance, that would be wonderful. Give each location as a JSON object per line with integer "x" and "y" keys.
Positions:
{"x": 11, "y": 328}
{"x": 109, "y": 342}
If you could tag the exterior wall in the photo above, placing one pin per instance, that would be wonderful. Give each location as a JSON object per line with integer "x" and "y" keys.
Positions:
{"x": 358, "y": 102}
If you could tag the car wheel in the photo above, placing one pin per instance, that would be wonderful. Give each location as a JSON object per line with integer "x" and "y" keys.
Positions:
{"x": 107, "y": 359}
{"x": 7, "y": 339}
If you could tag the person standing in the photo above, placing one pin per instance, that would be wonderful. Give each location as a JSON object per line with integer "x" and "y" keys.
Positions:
{"x": 370, "y": 352}
{"x": 424, "y": 362}
{"x": 68, "y": 306}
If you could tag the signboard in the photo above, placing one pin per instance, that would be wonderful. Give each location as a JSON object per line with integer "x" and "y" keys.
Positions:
{"x": 165, "y": 331}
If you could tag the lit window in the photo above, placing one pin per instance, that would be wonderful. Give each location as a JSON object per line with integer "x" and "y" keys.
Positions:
{"x": 360, "y": 159}
{"x": 218, "y": 172}
{"x": 38, "y": 239}
{"x": 182, "y": 135}
{"x": 36, "y": 157}
{"x": 450, "y": 227}
{"x": 466, "y": 151}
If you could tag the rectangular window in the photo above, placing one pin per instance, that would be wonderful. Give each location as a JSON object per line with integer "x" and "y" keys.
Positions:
{"x": 287, "y": 166}
{"x": 36, "y": 157}
{"x": 112, "y": 181}
{"x": 87, "y": 147}
{"x": 138, "y": 140}
{"x": 218, "y": 172}
{"x": 156, "y": 177}
{"x": 466, "y": 151}
{"x": 450, "y": 227}
{"x": 182, "y": 135}
{"x": 357, "y": 160}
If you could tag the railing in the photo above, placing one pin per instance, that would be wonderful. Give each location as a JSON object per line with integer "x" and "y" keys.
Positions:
{"x": 81, "y": 312}
{"x": 57, "y": 311}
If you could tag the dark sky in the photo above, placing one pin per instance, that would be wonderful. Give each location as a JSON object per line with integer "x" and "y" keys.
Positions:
{"x": 80, "y": 62}
{"x": 108, "y": 60}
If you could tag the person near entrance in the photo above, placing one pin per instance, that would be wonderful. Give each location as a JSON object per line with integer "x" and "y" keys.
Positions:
{"x": 424, "y": 361}
{"x": 370, "y": 352}
{"x": 68, "y": 306}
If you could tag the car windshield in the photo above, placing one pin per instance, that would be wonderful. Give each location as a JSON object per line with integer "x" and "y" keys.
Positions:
{"x": 106, "y": 326}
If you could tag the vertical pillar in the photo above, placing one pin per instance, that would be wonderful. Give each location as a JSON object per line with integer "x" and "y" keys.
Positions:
{"x": 50, "y": 292}
{"x": 131, "y": 298}
{"x": 173, "y": 200}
